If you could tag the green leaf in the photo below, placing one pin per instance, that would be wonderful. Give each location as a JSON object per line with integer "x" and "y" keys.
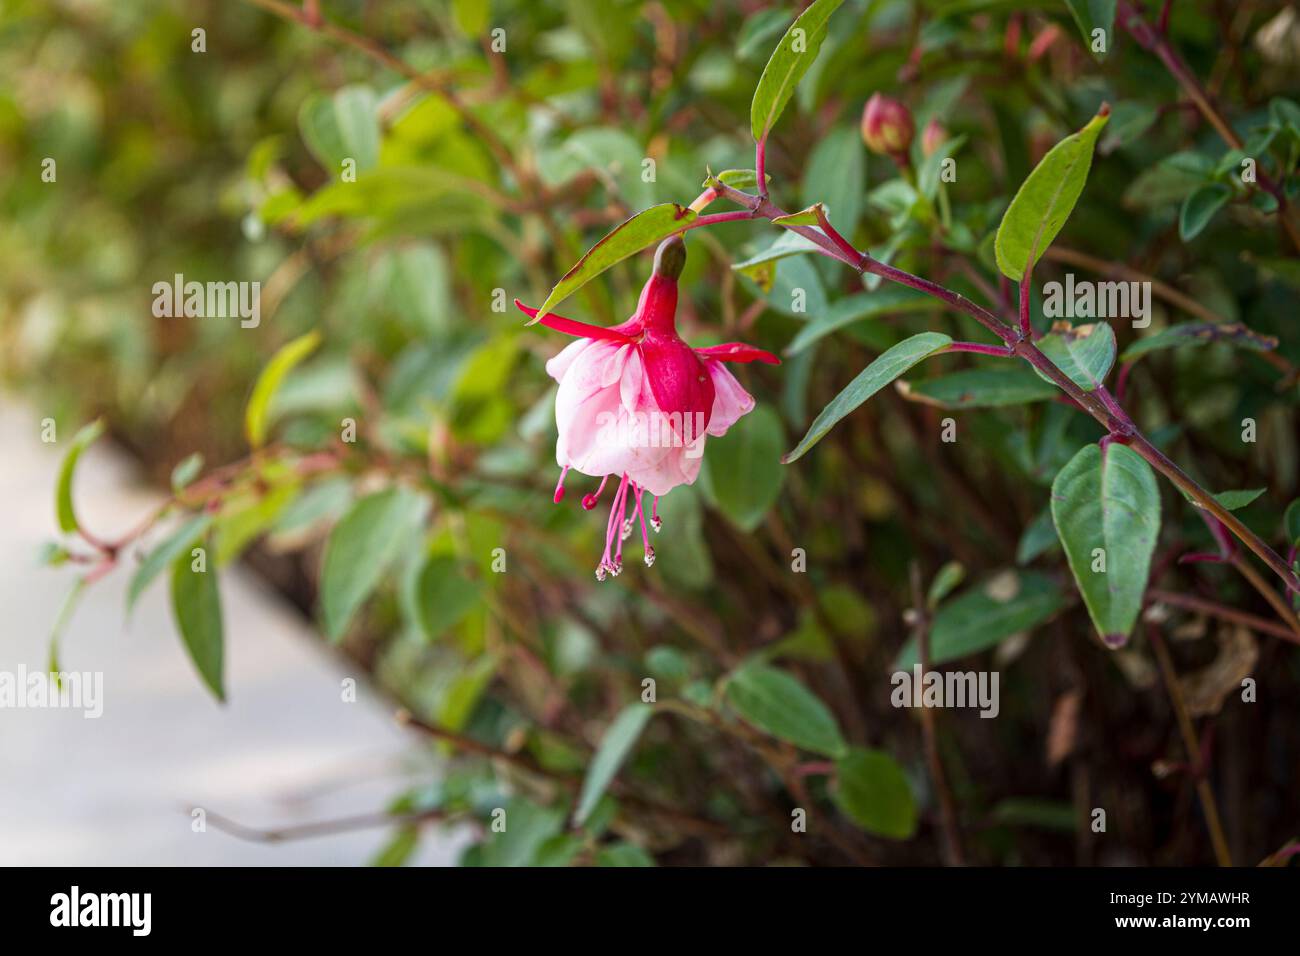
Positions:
{"x": 624, "y": 854}
{"x": 775, "y": 702}
{"x": 1045, "y": 200}
{"x": 471, "y": 16}
{"x": 66, "y": 608}
{"x": 742, "y": 474}
{"x": 949, "y": 577}
{"x": 786, "y": 244}
{"x": 1200, "y": 333}
{"x": 178, "y": 543}
{"x": 628, "y": 238}
{"x": 804, "y": 217}
{"x": 282, "y": 362}
{"x": 619, "y": 739}
{"x": 980, "y": 388}
{"x": 360, "y": 550}
{"x": 1111, "y": 505}
{"x": 1084, "y": 353}
{"x": 834, "y": 177}
{"x": 985, "y": 615}
{"x": 63, "y": 489}
{"x": 1200, "y": 207}
{"x": 861, "y": 305}
{"x": 928, "y": 176}
{"x": 872, "y": 791}
{"x": 397, "y": 851}
{"x": 527, "y": 829}
{"x": 787, "y": 65}
{"x": 445, "y": 597}
{"x": 1038, "y": 537}
{"x": 735, "y": 178}
{"x": 186, "y": 471}
{"x": 196, "y": 605}
{"x": 1232, "y": 500}
{"x": 1094, "y": 15}
{"x": 887, "y": 367}
{"x": 342, "y": 126}
{"x": 1291, "y": 522}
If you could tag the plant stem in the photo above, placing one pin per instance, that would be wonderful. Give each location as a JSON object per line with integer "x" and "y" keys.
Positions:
{"x": 1156, "y": 42}
{"x": 1100, "y": 406}
{"x": 980, "y": 349}
{"x": 1191, "y": 602}
{"x": 1203, "y": 789}
{"x": 947, "y": 808}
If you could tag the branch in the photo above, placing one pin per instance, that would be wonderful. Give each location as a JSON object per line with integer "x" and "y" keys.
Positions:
{"x": 1155, "y": 41}
{"x": 1185, "y": 727}
{"x": 947, "y": 809}
{"x": 1098, "y": 403}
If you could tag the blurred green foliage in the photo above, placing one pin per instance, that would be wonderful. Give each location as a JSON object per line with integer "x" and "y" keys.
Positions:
{"x": 396, "y": 179}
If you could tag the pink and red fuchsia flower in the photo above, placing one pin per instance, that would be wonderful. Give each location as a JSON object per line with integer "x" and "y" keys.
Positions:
{"x": 636, "y": 403}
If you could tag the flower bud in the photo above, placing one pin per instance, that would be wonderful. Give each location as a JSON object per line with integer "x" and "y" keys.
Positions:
{"x": 670, "y": 257}
{"x": 887, "y": 127}
{"x": 932, "y": 137}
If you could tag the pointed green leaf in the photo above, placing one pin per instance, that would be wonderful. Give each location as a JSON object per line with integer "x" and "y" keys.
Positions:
{"x": 1291, "y": 523}
{"x": 445, "y": 597}
{"x": 980, "y": 388}
{"x": 63, "y": 507}
{"x": 179, "y": 542}
{"x": 1084, "y": 353}
{"x": 787, "y": 65}
{"x": 1093, "y": 15}
{"x": 1200, "y": 207}
{"x": 1045, "y": 200}
{"x": 259, "y": 403}
{"x": 872, "y": 791}
{"x": 1107, "y": 514}
{"x": 186, "y": 470}
{"x": 619, "y": 739}
{"x": 342, "y": 126}
{"x": 775, "y": 702}
{"x": 196, "y": 605}
{"x": 628, "y": 238}
{"x": 735, "y": 178}
{"x": 360, "y": 550}
{"x": 1232, "y": 500}
{"x": 804, "y": 217}
{"x": 1200, "y": 333}
{"x": 985, "y": 615}
{"x": 887, "y": 367}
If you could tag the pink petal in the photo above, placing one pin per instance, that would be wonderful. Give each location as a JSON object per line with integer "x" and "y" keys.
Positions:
{"x": 738, "y": 352}
{"x": 730, "y": 400}
{"x": 559, "y": 364}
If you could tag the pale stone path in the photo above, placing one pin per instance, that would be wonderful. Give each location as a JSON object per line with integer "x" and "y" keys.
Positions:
{"x": 285, "y": 749}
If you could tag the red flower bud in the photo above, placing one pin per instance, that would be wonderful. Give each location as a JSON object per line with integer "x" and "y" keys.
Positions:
{"x": 932, "y": 137}
{"x": 887, "y": 127}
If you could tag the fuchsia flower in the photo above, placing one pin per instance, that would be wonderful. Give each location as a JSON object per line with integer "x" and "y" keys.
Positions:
{"x": 636, "y": 403}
